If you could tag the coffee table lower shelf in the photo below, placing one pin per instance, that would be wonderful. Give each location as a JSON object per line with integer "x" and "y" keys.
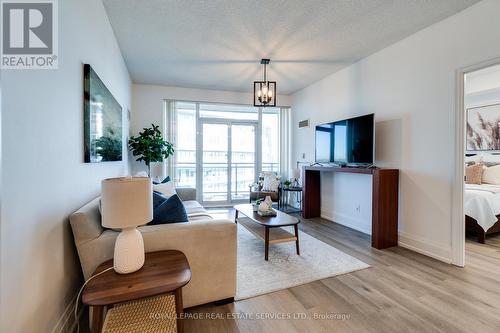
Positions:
{"x": 271, "y": 235}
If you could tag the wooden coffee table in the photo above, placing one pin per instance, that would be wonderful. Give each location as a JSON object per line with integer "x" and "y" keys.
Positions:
{"x": 269, "y": 228}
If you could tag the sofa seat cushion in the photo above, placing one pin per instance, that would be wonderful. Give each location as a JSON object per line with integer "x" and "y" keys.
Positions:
{"x": 195, "y": 211}
{"x": 201, "y": 217}
{"x": 193, "y": 207}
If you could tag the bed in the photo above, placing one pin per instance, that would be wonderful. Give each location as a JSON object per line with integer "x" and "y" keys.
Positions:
{"x": 482, "y": 209}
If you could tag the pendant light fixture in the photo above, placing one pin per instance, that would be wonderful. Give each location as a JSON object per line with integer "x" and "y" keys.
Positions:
{"x": 264, "y": 92}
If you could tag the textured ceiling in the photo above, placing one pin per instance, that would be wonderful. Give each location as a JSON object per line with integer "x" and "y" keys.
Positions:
{"x": 218, "y": 44}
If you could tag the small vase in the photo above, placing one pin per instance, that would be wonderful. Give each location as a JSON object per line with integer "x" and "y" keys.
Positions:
{"x": 263, "y": 207}
{"x": 269, "y": 202}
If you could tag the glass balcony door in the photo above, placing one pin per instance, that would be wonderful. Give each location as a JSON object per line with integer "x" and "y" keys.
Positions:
{"x": 228, "y": 162}
{"x": 243, "y": 161}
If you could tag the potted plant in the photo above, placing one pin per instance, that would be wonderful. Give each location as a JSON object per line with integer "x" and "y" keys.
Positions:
{"x": 149, "y": 146}
{"x": 256, "y": 204}
{"x": 287, "y": 183}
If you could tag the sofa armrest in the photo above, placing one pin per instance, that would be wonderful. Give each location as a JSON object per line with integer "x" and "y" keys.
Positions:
{"x": 210, "y": 247}
{"x": 186, "y": 193}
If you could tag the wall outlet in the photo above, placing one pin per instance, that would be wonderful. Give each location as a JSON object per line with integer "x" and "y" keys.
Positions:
{"x": 303, "y": 156}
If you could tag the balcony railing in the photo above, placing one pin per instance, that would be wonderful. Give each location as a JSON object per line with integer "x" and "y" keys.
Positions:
{"x": 215, "y": 179}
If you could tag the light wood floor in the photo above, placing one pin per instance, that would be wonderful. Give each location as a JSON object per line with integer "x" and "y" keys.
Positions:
{"x": 402, "y": 292}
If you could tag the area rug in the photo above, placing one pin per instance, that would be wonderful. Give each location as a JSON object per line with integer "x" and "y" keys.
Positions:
{"x": 285, "y": 268}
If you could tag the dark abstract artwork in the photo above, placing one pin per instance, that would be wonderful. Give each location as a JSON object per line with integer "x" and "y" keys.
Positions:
{"x": 483, "y": 128}
{"x": 102, "y": 121}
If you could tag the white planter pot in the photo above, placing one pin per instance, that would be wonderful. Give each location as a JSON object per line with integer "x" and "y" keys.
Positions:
{"x": 158, "y": 170}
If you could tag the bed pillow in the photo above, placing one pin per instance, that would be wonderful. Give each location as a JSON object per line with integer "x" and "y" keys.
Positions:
{"x": 474, "y": 174}
{"x": 171, "y": 210}
{"x": 491, "y": 175}
{"x": 165, "y": 188}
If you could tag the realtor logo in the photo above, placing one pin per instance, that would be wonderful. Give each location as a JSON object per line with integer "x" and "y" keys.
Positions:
{"x": 29, "y": 34}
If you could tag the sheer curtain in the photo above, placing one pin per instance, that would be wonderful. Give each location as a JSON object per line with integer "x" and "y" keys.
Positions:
{"x": 170, "y": 134}
{"x": 285, "y": 143}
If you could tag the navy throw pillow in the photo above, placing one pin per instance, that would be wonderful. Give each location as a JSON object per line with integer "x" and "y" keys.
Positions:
{"x": 170, "y": 210}
{"x": 158, "y": 198}
{"x": 166, "y": 180}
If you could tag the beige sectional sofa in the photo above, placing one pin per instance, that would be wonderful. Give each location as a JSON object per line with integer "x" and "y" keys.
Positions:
{"x": 209, "y": 244}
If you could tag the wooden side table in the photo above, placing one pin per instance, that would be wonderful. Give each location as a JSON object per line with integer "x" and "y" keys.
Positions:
{"x": 163, "y": 272}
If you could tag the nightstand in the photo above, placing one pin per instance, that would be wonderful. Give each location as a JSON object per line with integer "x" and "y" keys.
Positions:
{"x": 163, "y": 273}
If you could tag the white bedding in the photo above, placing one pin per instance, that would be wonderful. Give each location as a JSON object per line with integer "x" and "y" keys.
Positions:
{"x": 482, "y": 203}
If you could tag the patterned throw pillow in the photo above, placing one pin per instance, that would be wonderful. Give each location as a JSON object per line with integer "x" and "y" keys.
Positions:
{"x": 271, "y": 182}
{"x": 474, "y": 174}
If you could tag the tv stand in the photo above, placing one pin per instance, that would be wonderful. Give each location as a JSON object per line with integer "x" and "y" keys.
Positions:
{"x": 385, "y": 193}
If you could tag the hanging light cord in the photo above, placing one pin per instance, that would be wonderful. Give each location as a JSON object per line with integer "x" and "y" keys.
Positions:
{"x": 80, "y": 293}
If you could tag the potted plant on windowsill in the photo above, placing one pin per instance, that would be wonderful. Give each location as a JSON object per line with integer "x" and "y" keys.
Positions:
{"x": 150, "y": 147}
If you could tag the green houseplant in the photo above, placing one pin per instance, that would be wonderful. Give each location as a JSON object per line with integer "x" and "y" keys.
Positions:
{"x": 149, "y": 146}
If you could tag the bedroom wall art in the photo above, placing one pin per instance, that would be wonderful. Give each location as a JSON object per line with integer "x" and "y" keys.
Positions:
{"x": 483, "y": 128}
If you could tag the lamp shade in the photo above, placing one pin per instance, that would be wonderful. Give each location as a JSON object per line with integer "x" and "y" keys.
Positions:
{"x": 126, "y": 202}
{"x": 296, "y": 173}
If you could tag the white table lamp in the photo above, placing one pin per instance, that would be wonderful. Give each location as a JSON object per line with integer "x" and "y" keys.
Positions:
{"x": 125, "y": 204}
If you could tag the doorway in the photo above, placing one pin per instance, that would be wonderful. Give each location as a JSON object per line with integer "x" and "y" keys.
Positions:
{"x": 476, "y": 225}
{"x": 228, "y": 161}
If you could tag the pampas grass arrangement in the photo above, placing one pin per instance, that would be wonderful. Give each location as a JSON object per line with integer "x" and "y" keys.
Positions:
{"x": 486, "y": 136}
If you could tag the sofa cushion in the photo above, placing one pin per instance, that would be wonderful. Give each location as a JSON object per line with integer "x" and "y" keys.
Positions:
{"x": 170, "y": 210}
{"x": 166, "y": 180}
{"x": 263, "y": 194}
{"x": 158, "y": 199}
{"x": 193, "y": 207}
{"x": 271, "y": 182}
{"x": 86, "y": 222}
{"x": 165, "y": 188}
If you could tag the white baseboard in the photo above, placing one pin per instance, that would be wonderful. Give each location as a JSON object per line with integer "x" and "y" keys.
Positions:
{"x": 67, "y": 323}
{"x": 425, "y": 247}
{"x": 410, "y": 242}
{"x": 346, "y": 220}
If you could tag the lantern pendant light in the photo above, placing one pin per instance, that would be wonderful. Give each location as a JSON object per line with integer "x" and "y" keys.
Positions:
{"x": 264, "y": 92}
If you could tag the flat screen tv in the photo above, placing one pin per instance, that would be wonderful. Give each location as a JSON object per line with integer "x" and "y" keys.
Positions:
{"x": 349, "y": 141}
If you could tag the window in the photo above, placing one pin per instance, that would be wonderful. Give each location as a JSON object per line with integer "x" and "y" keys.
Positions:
{"x": 226, "y": 111}
{"x": 220, "y": 149}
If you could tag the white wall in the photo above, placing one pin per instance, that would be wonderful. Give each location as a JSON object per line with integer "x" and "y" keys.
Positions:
{"x": 147, "y": 104}
{"x": 410, "y": 86}
{"x": 44, "y": 178}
